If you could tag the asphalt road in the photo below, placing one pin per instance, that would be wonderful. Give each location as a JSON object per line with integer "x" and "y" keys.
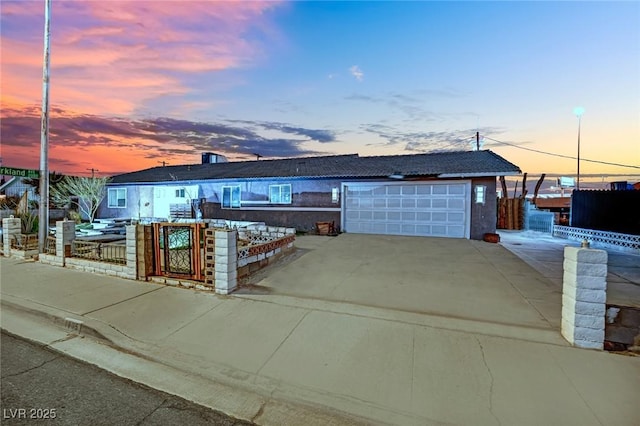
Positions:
{"x": 40, "y": 386}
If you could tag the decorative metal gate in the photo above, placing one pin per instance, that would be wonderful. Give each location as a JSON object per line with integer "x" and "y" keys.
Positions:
{"x": 178, "y": 250}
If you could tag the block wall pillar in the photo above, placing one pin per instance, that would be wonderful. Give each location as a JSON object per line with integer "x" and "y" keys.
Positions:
{"x": 226, "y": 261}
{"x": 131, "y": 251}
{"x": 10, "y": 226}
{"x": 584, "y": 297}
{"x": 144, "y": 252}
{"x": 65, "y": 234}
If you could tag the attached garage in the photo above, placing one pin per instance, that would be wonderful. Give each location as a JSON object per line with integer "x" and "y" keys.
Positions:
{"x": 435, "y": 208}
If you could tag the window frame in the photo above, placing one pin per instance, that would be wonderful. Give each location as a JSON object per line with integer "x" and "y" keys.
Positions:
{"x": 335, "y": 195}
{"x": 280, "y": 188}
{"x": 117, "y": 199}
{"x": 233, "y": 203}
{"x": 180, "y": 193}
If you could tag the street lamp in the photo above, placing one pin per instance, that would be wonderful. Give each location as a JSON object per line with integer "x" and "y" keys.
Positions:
{"x": 578, "y": 111}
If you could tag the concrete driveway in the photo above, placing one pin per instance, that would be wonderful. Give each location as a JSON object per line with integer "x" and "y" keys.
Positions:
{"x": 454, "y": 278}
{"x": 545, "y": 254}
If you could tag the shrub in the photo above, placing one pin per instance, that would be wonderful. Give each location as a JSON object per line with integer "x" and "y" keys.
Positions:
{"x": 75, "y": 216}
{"x": 29, "y": 223}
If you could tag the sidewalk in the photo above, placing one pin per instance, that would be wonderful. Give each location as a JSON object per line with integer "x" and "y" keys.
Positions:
{"x": 278, "y": 359}
{"x": 545, "y": 254}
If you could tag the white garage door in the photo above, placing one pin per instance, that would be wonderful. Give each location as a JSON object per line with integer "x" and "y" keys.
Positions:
{"x": 439, "y": 209}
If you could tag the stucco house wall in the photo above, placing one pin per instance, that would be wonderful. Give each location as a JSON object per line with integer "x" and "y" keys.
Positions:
{"x": 312, "y": 200}
{"x": 483, "y": 215}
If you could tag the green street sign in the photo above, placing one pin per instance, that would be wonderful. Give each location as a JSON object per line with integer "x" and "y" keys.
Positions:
{"x": 26, "y": 173}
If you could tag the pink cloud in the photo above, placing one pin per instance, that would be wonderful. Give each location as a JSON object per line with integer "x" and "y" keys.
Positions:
{"x": 115, "y": 57}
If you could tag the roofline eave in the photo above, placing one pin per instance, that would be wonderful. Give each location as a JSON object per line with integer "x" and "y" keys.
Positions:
{"x": 481, "y": 174}
{"x": 342, "y": 176}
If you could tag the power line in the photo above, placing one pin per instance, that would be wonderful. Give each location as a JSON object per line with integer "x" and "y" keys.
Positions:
{"x": 561, "y": 155}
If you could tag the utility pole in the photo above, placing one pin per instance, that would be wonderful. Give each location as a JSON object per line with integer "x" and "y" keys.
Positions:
{"x": 477, "y": 141}
{"x": 578, "y": 111}
{"x": 43, "y": 229}
{"x": 93, "y": 171}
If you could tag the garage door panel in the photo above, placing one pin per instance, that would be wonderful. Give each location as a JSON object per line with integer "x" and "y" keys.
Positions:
{"x": 455, "y": 203}
{"x": 366, "y": 203}
{"x": 366, "y": 215}
{"x": 408, "y": 216}
{"x": 423, "y": 190}
{"x": 438, "y": 209}
{"x": 393, "y": 228}
{"x": 352, "y": 215}
{"x": 378, "y": 228}
{"x": 408, "y": 190}
{"x": 423, "y": 216}
{"x": 439, "y": 230}
{"x": 408, "y": 203}
{"x": 456, "y": 231}
{"x": 379, "y": 203}
{"x": 394, "y": 216}
{"x": 439, "y": 203}
{"x": 393, "y": 203}
{"x": 456, "y": 189}
{"x": 423, "y": 229}
{"x": 455, "y": 217}
{"x": 409, "y": 229}
{"x": 439, "y": 216}
{"x": 423, "y": 203}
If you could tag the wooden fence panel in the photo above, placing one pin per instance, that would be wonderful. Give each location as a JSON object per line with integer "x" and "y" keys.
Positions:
{"x": 510, "y": 213}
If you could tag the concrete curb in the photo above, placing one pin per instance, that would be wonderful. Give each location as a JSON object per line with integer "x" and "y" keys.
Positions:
{"x": 93, "y": 344}
{"x": 68, "y": 320}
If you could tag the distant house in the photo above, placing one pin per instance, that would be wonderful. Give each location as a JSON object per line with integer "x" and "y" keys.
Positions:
{"x": 451, "y": 194}
{"x": 560, "y": 206}
{"x": 13, "y": 186}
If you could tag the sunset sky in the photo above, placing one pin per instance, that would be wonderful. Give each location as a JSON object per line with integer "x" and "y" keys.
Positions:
{"x": 140, "y": 82}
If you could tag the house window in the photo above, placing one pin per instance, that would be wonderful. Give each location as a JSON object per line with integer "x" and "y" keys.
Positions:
{"x": 280, "y": 194}
{"x": 180, "y": 193}
{"x": 230, "y": 197}
{"x": 335, "y": 195}
{"x": 117, "y": 198}
{"x": 480, "y": 191}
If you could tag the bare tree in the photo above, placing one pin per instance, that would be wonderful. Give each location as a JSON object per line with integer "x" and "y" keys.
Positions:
{"x": 54, "y": 180}
{"x": 90, "y": 191}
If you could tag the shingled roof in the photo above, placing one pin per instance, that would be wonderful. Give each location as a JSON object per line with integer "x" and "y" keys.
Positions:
{"x": 443, "y": 165}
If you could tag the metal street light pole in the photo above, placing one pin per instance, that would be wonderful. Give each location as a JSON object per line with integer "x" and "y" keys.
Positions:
{"x": 578, "y": 111}
{"x": 43, "y": 228}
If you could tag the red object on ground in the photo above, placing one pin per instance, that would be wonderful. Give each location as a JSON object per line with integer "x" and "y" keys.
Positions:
{"x": 491, "y": 237}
